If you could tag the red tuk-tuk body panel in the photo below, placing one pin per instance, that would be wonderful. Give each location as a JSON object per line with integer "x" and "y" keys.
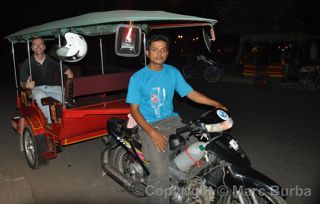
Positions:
{"x": 89, "y": 122}
{"x": 275, "y": 71}
{"x": 31, "y": 116}
{"x": 85, "y": 119}
{"x": 32, "y": 121}
{"x": 35, "y": 124}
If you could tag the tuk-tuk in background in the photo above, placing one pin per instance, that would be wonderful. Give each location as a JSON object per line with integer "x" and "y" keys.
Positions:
{"x": 277, "y": 55}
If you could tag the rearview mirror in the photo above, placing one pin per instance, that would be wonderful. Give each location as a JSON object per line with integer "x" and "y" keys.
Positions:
{"x": 128, "y": 41}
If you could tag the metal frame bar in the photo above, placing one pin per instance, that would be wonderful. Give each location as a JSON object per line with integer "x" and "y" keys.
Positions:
{"x": 30, "y": 72}
{"x": 144, "y": 49}
{"x": 14, "y": 67}
{"x": 101, "y": 56}
{"x": 61, "y": 76}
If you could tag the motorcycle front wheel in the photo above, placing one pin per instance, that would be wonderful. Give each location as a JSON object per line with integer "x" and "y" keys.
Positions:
{"x": 249, "y": 196}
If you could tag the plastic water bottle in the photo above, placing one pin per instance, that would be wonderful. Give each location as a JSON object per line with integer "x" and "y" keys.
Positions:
{"x": 186, "y": 159}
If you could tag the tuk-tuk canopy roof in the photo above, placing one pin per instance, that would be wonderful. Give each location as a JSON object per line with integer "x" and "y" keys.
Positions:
{"x": 102, "y": 23}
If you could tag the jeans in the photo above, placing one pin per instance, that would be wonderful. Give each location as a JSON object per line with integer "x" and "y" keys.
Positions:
{"x": 40, "y": 92}
{"x": 158, "y": 180}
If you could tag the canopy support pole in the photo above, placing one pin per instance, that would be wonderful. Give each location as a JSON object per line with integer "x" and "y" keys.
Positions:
{"x": 101, "y": 56}
{"x": 61, "y": 76}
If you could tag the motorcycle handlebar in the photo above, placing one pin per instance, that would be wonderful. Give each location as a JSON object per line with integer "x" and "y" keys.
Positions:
{"x": 182, "y": 129}
{"x": 190, "y": 127}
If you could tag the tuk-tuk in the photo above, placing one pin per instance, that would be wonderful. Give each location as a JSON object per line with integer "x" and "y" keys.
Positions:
{"x": 88, "y": 101}
{"x": 278, "y": 55}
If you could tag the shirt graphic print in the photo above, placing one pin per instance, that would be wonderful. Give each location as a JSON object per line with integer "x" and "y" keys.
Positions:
{"x": 158, "y": 98}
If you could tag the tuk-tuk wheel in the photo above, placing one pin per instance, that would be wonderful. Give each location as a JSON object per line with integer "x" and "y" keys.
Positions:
{"x": 30, "y": 149}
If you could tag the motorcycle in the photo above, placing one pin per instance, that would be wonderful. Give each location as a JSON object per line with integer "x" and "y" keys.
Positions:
{"x": 203, "y": 67}
{"x": 310, "y": 74}
{"x": 207, "y": 165}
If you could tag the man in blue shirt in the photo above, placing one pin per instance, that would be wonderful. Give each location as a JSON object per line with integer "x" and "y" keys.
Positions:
{"x": 150, "y": 95}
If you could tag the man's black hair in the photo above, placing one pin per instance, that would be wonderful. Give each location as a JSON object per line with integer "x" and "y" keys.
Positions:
{"x": 157, "y": 37}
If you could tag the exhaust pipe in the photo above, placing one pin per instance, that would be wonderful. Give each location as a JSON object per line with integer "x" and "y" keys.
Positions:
{"x": 117, "y": 176}
{"x": 114, "y": 173}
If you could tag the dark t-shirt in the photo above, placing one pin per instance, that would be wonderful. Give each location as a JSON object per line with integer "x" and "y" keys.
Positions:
{"x": 42, "y": 74}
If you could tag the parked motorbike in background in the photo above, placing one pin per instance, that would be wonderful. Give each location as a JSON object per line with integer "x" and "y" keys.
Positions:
{"x": 207, "y": 165}
{"x": 203, "y": 67}
{"x": 309, "y": 75}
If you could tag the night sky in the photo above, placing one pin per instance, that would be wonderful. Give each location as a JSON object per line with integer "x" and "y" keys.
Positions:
{"x": 17, "y": 15}
{"x": 21, "y": 14}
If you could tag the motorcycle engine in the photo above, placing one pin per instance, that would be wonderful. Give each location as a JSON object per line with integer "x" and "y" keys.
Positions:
{"x": 193, "y": 191}
{"x": 136, "y": 172}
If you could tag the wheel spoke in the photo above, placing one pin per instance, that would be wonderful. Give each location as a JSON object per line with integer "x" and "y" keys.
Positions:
{"x": 253, "y": 196}
{"x": 30, "y": 149}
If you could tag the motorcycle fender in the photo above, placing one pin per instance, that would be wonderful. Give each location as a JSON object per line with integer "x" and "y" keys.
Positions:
{"x": 222, "y": 148}
{"x": 129, "y": 147}
{"x": 248, "y": 177}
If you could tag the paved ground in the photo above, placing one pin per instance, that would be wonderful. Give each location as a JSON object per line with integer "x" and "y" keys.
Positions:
{"x": 278, "y": 128}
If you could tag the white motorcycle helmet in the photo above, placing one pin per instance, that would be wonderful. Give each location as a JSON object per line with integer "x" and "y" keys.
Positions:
{"x": 74, "y": 50}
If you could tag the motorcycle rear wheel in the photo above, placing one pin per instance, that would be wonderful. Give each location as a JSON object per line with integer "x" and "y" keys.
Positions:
{"x": 122, "y": 161}
{"x": 250, "y": 196}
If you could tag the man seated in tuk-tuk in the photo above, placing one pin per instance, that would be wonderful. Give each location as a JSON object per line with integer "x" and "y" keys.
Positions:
{"x": 41, "y": 81}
